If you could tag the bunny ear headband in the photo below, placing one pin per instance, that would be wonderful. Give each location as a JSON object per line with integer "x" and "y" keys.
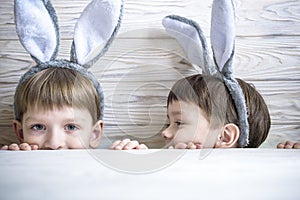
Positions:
{"x": 190, "y": 36}
{"x": 38, "y": 31}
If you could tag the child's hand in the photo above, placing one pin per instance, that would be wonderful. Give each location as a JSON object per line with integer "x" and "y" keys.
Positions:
{"x": 288, "y": 145}
{"x": 22, "y": 147}
{"x": 190, "y": 145}
{"x": 127, "y": 144}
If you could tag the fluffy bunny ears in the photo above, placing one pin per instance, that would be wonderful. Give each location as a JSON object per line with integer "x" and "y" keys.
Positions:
{"x": 190, "y": 36}
{"x": 38, "y": 31}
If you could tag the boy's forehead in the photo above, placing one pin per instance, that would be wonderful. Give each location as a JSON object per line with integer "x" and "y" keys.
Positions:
{"x": 34, "y": 112}
{"x": 182, "y": 108}
{"x": 174, "y": 107}
{"x": 178, "y": 108}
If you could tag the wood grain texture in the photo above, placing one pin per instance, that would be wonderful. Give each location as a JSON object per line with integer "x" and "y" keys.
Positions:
{"x": 143, "y": 63}
{"x": 256, "y": 17}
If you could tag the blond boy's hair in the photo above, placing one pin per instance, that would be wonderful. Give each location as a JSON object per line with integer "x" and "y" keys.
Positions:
{"x": 55, "y": 88}
{"x": 212, "y": 97}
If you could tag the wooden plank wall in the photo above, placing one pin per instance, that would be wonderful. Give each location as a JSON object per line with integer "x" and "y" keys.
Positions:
{"x": 143, "y": 63}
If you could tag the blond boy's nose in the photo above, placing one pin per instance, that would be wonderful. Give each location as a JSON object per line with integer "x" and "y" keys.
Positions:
{"x": 55, "y": 141}
{"x": 54, "y": 146}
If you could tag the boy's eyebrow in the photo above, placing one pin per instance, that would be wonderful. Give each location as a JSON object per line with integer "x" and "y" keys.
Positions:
{"x": 33, "y": 120}
{"x": 75, "y": 120}
{"x": 30, "y": 119}
{"x": 68, "y": 120}
{"x": 176, "y": 113}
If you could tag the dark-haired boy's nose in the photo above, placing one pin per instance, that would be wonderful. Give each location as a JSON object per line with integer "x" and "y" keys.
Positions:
{"x": 167, "y": 134}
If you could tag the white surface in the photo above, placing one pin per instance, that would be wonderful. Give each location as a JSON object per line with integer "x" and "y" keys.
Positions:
{"x": 163, "y": 174}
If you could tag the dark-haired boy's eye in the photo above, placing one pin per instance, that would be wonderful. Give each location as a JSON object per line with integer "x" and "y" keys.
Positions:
{"x": 178, "y": 123}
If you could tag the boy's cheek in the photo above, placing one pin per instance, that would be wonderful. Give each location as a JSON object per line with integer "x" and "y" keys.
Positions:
{"x": 77, "y": 142}
{"x": 189, "y": 135}
{"x": 31, "y": 139}
{"x": 184, "y": 136}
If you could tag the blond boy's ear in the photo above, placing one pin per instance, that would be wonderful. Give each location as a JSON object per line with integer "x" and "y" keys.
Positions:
{"x": 228, "y": 137}
{"x": 18, "y": 130}
{"x": 96, "y": 134}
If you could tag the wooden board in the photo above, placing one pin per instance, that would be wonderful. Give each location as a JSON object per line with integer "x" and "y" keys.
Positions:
{"x": 150, "y": 174}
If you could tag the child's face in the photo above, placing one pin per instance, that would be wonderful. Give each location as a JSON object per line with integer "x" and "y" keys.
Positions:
{"x": 66, "y": 128}
{"x": 188, "y": 124}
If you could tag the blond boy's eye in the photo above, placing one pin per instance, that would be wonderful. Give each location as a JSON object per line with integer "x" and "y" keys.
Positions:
{"x": 71, "y": 127}
{"x": 38, "y": 127}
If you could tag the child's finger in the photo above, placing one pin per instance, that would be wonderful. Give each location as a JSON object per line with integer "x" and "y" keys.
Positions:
{"x": 131, "y": 145}
{"x": 34, "y": 147}
{"x": 121, "y": 145}
{"x": 280, "y": 145}
{"x": 14, "y": 147}
{"x": 171, "y": 147}
{"x": 5, "y": 147}
{"x": 134, "y": 145}
{"x": 297, "y": 145}
{"x": 191, "y": 145}
{"x": 199, "y": 146}
{"x": 142, "y": 146}
{"x": 28, "y": 147}
{"x": 113, "y": 146}
{"x": 288, "y": 145}
{"x": 25, "y": 147}
{"x": 180, "y": 146}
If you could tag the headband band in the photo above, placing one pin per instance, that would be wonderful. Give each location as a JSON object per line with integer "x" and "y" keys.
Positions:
{"x": 64, "y": 64}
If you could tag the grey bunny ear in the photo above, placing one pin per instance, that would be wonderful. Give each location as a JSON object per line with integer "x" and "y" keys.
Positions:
{"x": 37, "y": 28}
{"x": 190, "y": 36}
{"x": 223, "y": 34}
{"x": 222, "y": 40}
{"x": 95, "y": 30}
